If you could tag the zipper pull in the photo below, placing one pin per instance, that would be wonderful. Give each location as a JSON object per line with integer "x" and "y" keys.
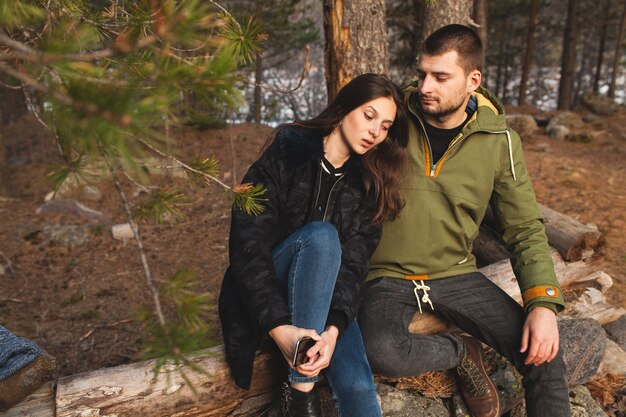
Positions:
{"x": 432, "y": 171}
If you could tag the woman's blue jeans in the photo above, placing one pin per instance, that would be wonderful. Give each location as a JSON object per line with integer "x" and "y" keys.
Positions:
{"x": 308, "y": 261}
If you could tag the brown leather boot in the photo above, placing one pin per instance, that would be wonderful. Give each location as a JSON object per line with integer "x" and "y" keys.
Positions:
{"x": 479, "y": 393}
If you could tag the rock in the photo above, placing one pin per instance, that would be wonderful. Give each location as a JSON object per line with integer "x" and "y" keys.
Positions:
{"x": 579, "y": 137}
{"x": 69, "y": 236}
{"x": 569, "y": 119}
{"x": 581, "y": 359}
{"x": 54, "y": 234}
{"x": 599, "y": 104}
{"x": 69, "y": 207}
{"x": 458, "y": 406}
{"x": 589, "y": 117}
{"x": 583, "y": 404}
{"x": 122, "y": 231}
{"x": 614, "y": 360}
{"x": 26, "y": 381}
{"x": 90, "y": 193}
{"x": 507, "y": 381}
{"x": 404, "y": 403}
{"x": 616, "y": 331}
{"x": 2, "y": 270}
{"x": 523, "y": 124}
{"x": 558, "y": 132}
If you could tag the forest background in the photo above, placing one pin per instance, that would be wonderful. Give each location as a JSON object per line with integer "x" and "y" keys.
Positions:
{"x": 149, "y": 112}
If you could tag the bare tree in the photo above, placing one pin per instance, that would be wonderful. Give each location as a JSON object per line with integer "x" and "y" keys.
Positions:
{"x": 530, "y": 50}
{"x": 480, "y": 16}
{"x": 445, "y": 12}
{"x": 618, "y": 53}
{"x": 356, "y": 41}
{"x": 568, "y": 57}
{"x": 605, "y": 17}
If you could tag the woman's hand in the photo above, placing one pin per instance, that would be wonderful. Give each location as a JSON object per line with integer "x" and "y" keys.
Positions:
{"x": 321, "y": 353}
{"x": 286, "y": 336}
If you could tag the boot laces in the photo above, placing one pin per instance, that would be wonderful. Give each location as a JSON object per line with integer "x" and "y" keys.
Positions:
{"x": 472, "y": 378}
{"x": 286, "y": 399}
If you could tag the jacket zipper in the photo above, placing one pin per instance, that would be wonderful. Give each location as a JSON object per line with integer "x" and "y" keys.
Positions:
{"x": 455, "y": 141}
{"x": 330, "y": 194}
{"x": 318, "y": 185}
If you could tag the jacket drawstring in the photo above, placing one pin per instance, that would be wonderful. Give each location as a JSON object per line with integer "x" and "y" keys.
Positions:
{"x": 425, "y": 298}
{"x": 508, "y": 140}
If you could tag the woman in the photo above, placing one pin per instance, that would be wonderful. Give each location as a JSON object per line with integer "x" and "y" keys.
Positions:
{"x": 296, "y": 269}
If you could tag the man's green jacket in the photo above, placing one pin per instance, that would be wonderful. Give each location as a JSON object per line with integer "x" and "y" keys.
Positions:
{"x": 433, "y": 236}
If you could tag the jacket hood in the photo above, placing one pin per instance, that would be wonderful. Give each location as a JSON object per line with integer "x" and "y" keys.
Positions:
{"x": 300, "y": 145}
{"x": 489, "y": 114}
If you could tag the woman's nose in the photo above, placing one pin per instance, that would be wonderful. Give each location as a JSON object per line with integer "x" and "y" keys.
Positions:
{"x": 375, "y": 130}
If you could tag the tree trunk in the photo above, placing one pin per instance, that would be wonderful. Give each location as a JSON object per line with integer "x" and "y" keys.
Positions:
{"x": 605, "y": 18}
{"x": 4, "y": 174}
{"x": 445, "y": 12}
{"x": 568, "y": 57}
{"x": 356, "y": 41}
{"x": 258, "y": 79}
{"x": 618, "y": 53}
{"x": 530, "y": 50}
{"x": 480, "y": 16}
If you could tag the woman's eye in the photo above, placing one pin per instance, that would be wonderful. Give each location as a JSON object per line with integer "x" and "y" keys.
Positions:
{"x": 385, "y": 128}
{"x": 368, "y": 117}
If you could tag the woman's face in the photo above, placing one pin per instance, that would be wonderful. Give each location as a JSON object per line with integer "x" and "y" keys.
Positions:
{"x": 368, "y": 125}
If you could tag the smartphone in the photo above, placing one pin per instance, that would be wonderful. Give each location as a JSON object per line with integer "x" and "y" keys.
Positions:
{"x": 302, "y": 346}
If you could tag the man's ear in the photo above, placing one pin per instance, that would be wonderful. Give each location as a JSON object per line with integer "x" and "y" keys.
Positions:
{"x": 473, "y": 80}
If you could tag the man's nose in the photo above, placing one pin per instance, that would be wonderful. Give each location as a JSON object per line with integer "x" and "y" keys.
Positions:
{"x": 426, "y": 84}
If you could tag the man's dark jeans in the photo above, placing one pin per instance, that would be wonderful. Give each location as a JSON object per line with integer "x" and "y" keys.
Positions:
{"x": 475, "y": 305}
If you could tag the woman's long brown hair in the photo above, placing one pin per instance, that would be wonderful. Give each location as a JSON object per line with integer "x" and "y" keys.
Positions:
{"x": 383, "y": 167}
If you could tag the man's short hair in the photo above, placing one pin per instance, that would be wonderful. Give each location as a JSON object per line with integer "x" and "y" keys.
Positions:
{"x": 457, "y": 38}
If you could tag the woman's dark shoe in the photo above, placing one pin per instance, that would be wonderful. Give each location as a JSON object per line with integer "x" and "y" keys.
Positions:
{"x": 300, "y": 404}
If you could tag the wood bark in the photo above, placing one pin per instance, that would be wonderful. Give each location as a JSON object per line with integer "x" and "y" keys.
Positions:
{"x": 480, "y": 17}
{"x": 618, "y": 53}
{"x": 356, "y": 41}
{"x": 38, "y": 404}
{"x": 133, "y": 390}
{"x": 568, "y": 57}
{"x": 530, "y": 50}
{"x": 446, "y": 12}
{"x": 258, "y": 79}
{"x": 605, "y": 17}
{"x": 574, "y": 240}
{"x": 502, "y": 275}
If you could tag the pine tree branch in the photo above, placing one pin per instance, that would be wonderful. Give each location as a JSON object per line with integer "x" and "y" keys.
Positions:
{"x": 144, "y": 258}
{"x": 184, "y": 165}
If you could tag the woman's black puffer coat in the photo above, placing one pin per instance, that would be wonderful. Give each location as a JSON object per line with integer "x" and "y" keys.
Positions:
{"x": 252, "y": 301}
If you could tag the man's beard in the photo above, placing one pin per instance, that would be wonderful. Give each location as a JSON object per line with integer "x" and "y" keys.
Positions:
{"x": 445, "y": 109}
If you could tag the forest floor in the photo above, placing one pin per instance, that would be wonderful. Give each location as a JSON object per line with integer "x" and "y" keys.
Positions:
{"x": 80, "y": 303}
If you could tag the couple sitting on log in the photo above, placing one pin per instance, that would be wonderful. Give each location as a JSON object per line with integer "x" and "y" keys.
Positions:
{"x": 372, "y": 208}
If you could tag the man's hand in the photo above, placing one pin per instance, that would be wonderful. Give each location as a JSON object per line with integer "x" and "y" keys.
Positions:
{"x": 540, "y": 336}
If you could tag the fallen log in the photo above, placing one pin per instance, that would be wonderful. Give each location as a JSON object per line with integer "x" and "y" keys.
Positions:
{"x": 134, "y": 390}
{"x": 38, "y": 404}
{"x": 502, "y": 275}
{"x": 574, "y": 240}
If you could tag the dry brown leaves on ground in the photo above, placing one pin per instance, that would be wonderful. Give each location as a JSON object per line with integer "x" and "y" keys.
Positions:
{"x": 610, "y": 391}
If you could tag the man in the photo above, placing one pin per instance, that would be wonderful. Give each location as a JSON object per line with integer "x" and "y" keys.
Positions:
{"x": 462, "y": 158}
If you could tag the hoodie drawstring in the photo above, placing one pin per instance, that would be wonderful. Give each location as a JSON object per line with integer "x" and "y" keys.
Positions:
{"x": 425, "y": 298}
{"x": 508, "y": 140}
